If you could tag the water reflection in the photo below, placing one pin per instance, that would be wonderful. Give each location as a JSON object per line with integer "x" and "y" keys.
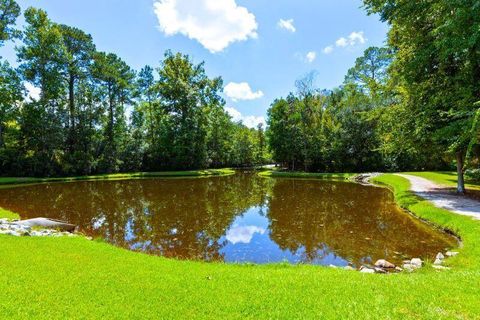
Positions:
{"x": 241, "y": 218}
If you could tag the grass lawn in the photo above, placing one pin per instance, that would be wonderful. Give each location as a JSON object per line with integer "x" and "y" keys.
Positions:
{"x": 75, "y": 278}
{"x": 120, "y": 176}
{"x": 289, "y": 174}
{"x": 7, "y": 214}
{"x": 446, "y": 178}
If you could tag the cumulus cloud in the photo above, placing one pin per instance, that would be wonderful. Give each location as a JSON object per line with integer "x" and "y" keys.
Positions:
{"x": 357, "y": 38}
{"x": 33, "y": 93}
{"x": 243, "y": 234}
{"x": 342, "y": 42}
{"x": 328, "y": 50}
{"x": 214, "y": 24}
{"x": 352, "y": 40}
{"x": 311, "y": 56}
{"x": 287, "y": 25}
{"x": 249, "y": 121}
{"x": 241, "y": 91}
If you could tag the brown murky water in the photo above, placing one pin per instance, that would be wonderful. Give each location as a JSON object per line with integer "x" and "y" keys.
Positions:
{"x": 240, "y": 218}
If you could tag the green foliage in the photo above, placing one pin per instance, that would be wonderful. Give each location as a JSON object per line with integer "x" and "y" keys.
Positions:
{"x": 186, "y": 93}
{"x": 473, "y": 174}
{"x": 437, "y": 67}
{"x": 9, "y": 11}
{"x": 95, "y": 115}
{"x": 410, "y": 105}
{"x": 327, "y": 131}
{"x": 370, "y": 73}
{"x": 116, "y": 79}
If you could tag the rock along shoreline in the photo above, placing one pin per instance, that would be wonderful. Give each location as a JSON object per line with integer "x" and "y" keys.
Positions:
{"x": 40, "y": 227}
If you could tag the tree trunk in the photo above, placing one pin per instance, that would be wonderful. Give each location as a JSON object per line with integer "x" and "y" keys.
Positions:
{"x": 2, "y": 143}
{"x": 111, "y": 116}
{"x": 71, "y": 100}
{"x": 460, "y": 178}
{"x": 111, "y": 121}
{"x": 152, "y": 124}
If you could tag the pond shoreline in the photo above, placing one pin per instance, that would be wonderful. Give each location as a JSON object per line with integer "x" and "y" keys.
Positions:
{"x": 12, "y": 182}
{"x": 361, "y": 179}
{"x": 118, "y": 176}
{"x": 216, "y": 290}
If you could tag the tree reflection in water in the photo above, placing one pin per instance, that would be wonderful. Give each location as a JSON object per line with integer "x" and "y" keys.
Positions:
{"x": 236, "y": 218}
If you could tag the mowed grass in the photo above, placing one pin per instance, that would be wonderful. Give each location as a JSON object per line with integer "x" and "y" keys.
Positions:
{"x": 446, "y": 178}
{"x": 7, "y": 214}
{"x": 119, "y": 176}
{"x": 293, "y": 174}
{"x": 76, "y": 278}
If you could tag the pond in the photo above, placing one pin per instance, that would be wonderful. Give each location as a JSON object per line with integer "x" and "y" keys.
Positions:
{"x": 239, "y": 218}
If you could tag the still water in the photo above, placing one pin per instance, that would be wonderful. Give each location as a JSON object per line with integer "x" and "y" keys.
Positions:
{"x": 239, "y": 218}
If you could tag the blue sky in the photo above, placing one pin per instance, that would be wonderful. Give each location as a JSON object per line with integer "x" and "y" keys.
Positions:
{"x": 259, "y": 47}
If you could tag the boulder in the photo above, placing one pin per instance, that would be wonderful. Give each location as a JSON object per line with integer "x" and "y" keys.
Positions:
{"x": 440, "y": 256}
{"x": 416, "y": 263}
{"x": 364, "y": 269}
{"x": 379, "y": 270}
{"x": 9, "y": 233}
{"x": 384, "y": 264}
{"x": 408, "y": 267}
{"x": 451, "y": 254}
{"x": 438, "y": 262}
{"x": 47, "y": 223}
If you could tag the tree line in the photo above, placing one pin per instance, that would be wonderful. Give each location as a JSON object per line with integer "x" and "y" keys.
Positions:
{"x": 411, "y": 105}
{"x": 95, "y": 114}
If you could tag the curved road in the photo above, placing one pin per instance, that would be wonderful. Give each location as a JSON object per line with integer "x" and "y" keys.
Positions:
{"x": 442, "y": 198}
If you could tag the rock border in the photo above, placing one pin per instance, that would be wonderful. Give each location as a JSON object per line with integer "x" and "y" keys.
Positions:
{"x": 12, "y": 228}
{"x": 382, "y": 266}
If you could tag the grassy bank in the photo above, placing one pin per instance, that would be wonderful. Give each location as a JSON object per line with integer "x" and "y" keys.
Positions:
{"x": 289, "y": 174}
{"x": 77, "y": 278}
{"x": 8, "y": 215}
{"x": 119, "y": 176}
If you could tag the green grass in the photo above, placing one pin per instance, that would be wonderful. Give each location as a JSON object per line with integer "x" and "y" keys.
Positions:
{"x": 76, "y": 278}
{"x": 119, "y": 176}
{"x": 446, "y": 178}
{"x": 8, "y": 215}
{"x": 291, "y": 174}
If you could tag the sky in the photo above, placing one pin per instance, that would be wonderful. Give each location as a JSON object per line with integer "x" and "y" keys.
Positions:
{"x": 258, "y": 47}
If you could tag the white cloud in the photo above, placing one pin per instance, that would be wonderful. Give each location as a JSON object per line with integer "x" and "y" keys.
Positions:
{"x": 241, "y": 91}
{"x": 357, "y": 38}
{"x": 352, "y": 40}
{"x": 243, "y": 234}
{"x": 33, "y": 93}
{"x": 328, "y": 50}
{"x": 342, "y": 42}
{"x": 287, "y": 25}
{"x": 215, "y": 24}
{"x": 311, "y": 56}
{"x": 234, "y": 113}
{"x": 249, "y": 121}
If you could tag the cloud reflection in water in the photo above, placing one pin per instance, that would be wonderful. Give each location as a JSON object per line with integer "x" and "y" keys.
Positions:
{"x": 243, "y": 234}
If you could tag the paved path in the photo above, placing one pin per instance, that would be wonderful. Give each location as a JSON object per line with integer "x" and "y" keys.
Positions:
{"x": 443, "y": 198}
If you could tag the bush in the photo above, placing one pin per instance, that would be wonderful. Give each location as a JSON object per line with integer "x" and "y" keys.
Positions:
{"x": 473, "y": 174}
